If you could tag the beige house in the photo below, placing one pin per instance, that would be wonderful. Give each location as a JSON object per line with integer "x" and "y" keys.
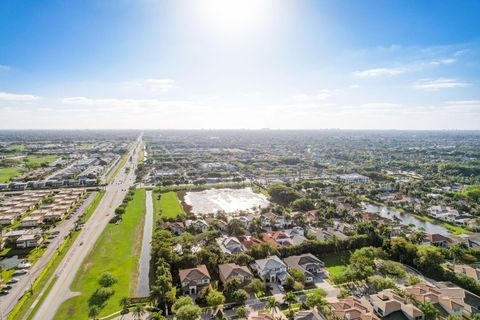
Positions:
{"x": 193, "y": 279}
{"x": 467, "y": 270}
{"x": 387, "y": 302}
{"x": 231, "y": 271}
{"x": 352, "y": 308}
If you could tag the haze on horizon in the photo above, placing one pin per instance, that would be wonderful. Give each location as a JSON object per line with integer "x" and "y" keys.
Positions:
{"x": 208, "y": 64}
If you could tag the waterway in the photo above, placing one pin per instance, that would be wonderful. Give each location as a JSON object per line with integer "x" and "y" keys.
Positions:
{"x": 406, "y": 219}
{"x": 143, "y": 286}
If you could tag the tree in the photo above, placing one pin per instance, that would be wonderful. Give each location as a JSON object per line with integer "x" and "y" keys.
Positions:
{"x": 257, "y": 286}
{"x": 240, "y": 296}
{"x": 181, "y": 302}
{"x": 297, "y": 275}
{"x": 429, "y": 260}
{"x": 107, "y": 280}
{"x": 413, "y": 280}
{"x": 241, "y": 312}
{"x": 235, "y": 228}
{"x": 124, "y": 303}
{"x": 93, "y": 312}
{"x": 428, "y": 310}
{"x": 215, "y": 298}
{"x": 290, "y": 298}
{"x": 189, "y": 312}
{"x": 272, "y": 305}
{"x": 378, "y": 283}
{"x": 230, "y": 287}
{"x": 303, "y": 204}
{"x": 457, "y": 251}
{"x": 138, "y": 312}
{"x": 316, "y": 299}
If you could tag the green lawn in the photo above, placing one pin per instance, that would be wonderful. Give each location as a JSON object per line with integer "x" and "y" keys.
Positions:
{"x": 17, "y": 147}
{"x": 37, "y": 161}
{"x": 7, "y": 173}
{"x": 168, "y": 206}
{"x": 336, "y": 263}
{"x": 117, "y": 250}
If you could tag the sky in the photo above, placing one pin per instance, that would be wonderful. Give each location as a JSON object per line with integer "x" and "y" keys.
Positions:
{"x": 240, "y": 64}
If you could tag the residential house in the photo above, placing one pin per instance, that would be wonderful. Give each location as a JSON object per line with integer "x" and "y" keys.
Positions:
{"x": 352, "y": 308}
{"x": 230, "y": 245}
{"x": 194, "y": 279}
{"x": 309, "y": 315}
{"x": 28, "y": 241}
{"x": 231, "y": 271}
{"x": 467, "y": 270}
{"x": 307, "y": 264}
{"x": 437, "y": 240}
{"x": 176, "y": 227}
{"x": 277, "y": 239}
{"x": 197, "y": 225}
{"x": 469, "y": 301}
{"x": 271, "y": 269}
{"x": 249, "y": 241}
{"x": 387, "y": 302}
{"x": 427, "y": 293}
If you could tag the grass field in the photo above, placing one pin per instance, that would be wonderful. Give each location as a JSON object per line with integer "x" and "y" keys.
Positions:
{"x": 167, "y": 207}
{"x": 37, "y": 161}
{"x": 117, "y": 251}
{"x": 336, "y": 263}
{"x": 7, "y": 173}
{"x": 17, "y": 147}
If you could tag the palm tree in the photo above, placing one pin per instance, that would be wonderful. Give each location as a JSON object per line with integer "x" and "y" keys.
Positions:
{"x": 138, "y": 312}
{"x": 93, "y": 313}
{"x": 272, "y": 305}
{"x": 290, "y": 298}
{"x": 124, "y": 302}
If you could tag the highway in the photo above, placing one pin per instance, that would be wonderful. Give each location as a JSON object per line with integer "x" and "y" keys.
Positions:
{"x": 66, "y": 271}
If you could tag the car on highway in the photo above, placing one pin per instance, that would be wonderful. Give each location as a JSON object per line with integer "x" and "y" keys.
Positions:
{"x": 4, "y": 292}
{"x": 24, "y": 265}
{"x": 13, "y": 280}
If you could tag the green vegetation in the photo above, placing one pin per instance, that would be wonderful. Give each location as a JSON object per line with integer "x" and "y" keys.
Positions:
{"x": 116, "y": 251}
{"x": 167, "y": 206}
{"x": 7, "y": 173}
{"x": 336, "y": 263}
{"x": 472, "y": 192}
{"x": 17, "y": 147}
{"x": 93, "y": 206}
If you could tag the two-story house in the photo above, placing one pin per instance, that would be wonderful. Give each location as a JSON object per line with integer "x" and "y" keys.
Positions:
{"x": 193, "y": 279}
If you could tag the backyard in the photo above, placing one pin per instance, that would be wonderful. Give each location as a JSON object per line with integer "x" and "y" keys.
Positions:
{"x": 116, "y": 251}
{"x": 167, "y": 206}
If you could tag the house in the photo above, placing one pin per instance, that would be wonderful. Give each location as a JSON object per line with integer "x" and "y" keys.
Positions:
{"x": 469, "y": 301}
{"x": 444, "y": 213}
{"x": 437, "y": 240}
{"x": 249, "y": 241}
{"x": 387, "y": 302}
{"x": 307, "y": 264}
{"x": 6, "y": 219}
{"x": 230, "y": 245}
{"x": 295, "y": 231}
{"x": 352, "y": 308}
{"x": 197, "y": 225}
{"x": 277, "y": 239}
{"x": 352, "y": 178}
{"x": 245, "y": 221}
{"x": 31, "y": 221}
{"x": 424, "y": 292}
{"x": 271, "y": 269}
{"x": 261, "y": 316}
{"x": 309, "y": 315}
{"x": 193, "y": 279}
{"x": 28, "y": 241}
{"x": 231, "y": 271}
{"x": 176, "y": 227}
{"x": 467, "y": 270}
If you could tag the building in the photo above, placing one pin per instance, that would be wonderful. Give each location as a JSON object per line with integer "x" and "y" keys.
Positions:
{"x": 307, "y": 264}
{"x": 231, "y": 271}
{"x": 271, "y": 269}
{"x": 309, "y": 315}
{"x": 194, "y": 279}
{"x": 352, "y": 308}
{"x": 467, "y": 270}
{"x": 387, "y": 302}
{"x": 352, "y": 178}
{"x": 230, "y": 245}
{"x": 28, "y": 241}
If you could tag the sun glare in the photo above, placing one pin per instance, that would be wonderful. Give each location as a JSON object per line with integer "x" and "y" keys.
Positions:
{"x": 234, "y": 17}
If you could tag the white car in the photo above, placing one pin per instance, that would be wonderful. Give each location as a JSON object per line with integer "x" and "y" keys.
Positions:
{"x": 20, "y": 272}
{"x": 24, "y": 265}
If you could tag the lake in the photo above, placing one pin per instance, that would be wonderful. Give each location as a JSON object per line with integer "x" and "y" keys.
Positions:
{"x": 406, "y": 219}
{"x": 228, "y": 200}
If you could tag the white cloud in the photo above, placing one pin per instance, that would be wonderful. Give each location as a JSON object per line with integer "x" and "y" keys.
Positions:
{"x": 5, "y": 96}
{"x": 463, "y": 103}
{"x": 158, "y": 85}
{"x": 438, "y": 84}
{"x": 443, "y": 61}
{"x": 379, "y": 72}
{"x": 322, "y": 94}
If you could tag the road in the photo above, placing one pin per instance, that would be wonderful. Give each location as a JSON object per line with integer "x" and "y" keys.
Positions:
{"x": 8, "y": 302}
{"x": 66, "y": 271}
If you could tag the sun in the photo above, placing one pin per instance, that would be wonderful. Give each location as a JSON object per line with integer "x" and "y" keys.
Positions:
{"x": 234, "y": 17}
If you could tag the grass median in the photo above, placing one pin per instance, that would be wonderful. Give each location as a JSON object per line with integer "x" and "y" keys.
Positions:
{"x": 117, "y": 251}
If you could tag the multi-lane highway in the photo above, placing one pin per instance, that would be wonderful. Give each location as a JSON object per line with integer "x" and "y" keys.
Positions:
{"x": 114, "y": 194}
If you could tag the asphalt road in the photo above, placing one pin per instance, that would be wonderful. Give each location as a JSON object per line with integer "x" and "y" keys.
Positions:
{"x": 66, "y": 271}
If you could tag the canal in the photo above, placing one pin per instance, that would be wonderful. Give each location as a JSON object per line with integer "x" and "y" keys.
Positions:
{"x": 406, "y": 219}
{"x": 143, "y": 287}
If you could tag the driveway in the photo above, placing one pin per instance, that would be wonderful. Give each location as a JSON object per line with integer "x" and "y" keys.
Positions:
{"x": 332, "y": 292}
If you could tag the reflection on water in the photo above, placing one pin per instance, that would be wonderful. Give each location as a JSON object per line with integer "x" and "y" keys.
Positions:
{"x": 406, "y": 219}
{"x": 228, "y": 200}
{"x": 143, "y": 287}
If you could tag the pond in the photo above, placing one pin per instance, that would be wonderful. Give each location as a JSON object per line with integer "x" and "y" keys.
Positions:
{"x": 228, "y": 200}
{"x": 406, "y": 219}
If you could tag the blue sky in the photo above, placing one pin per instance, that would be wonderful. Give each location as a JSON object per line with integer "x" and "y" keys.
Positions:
{"x": 292, "y": 64}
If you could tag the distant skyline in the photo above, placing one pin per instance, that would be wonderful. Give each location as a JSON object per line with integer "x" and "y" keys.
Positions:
{"x": 240, "y": 64}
